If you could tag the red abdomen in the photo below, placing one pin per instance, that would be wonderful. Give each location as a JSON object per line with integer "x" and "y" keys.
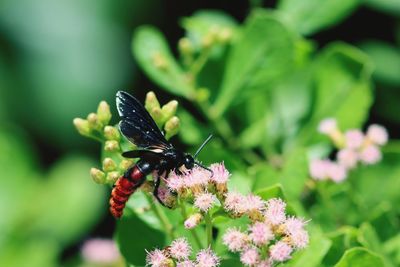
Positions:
{"x": 124, "y": 187}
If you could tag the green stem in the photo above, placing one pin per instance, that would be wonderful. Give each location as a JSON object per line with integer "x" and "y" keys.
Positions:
{"x": 162, "y": 218}
{"x": 192, "y": 231}
{"x": 199, "y": 63}
{"x": 208, "y": 229}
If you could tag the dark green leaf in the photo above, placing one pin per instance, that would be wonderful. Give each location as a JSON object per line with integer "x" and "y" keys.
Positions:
{"x": 134, "y": 237}
{"x": 388, "y": 6}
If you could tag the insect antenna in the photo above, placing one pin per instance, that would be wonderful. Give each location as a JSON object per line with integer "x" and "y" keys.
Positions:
{"x": 204, "y": 167}
{"x": 202, "y": 145}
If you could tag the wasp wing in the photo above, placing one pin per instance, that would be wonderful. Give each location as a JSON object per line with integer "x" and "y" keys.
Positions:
{"x": 137, "y": 125}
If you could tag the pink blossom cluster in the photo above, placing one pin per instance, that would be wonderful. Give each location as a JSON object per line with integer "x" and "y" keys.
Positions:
{"x": 204, "y": 188}
{"x": 270, "y": 240}
{"x": 178, "y": 254}
{"x": 353, "y": 146}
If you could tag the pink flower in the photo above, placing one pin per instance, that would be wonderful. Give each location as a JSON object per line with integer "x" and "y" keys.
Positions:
{"x": 252, "y": 203}
{"x": 327, "y": 126}
{"x": 377, "y": 134}
{"x": 293, "y": 225}
{"x": 280, "y": 251}
{"x": 186, "y": 263}
{"x": 261, "y": 233}
{"x": 370, "y": 155}
{"x": 275, "y": 212}
{"x": 204, "y": 201}
{"x": 220, "y": 173}
{"x": 348, "y": 158}
{"x": 354, "y": 138}
{"x": 250, "y": 257}
{"x": 197, "y": 177}
{"x": 175, "y": 182}
{"x": 193, "y": 221}
{"x": 234, "y": 202}
{"x": 156, "y": 258}
{"x": 206, "y": 258}
{"x": 264, "y": 263}
{"x": 299, "y": 239}
{"x": 101, "y": 251}
{"x": 337, "y": 172}
{"x": 318, "y": 169}
{"x": 180, "y": 249}
{"x": 235, "y": 240}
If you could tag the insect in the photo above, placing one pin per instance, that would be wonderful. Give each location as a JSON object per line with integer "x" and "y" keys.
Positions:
{"x": 155, "y": 153}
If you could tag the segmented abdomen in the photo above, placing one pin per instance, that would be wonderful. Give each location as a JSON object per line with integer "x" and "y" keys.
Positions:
{"x": 123, "y": 189}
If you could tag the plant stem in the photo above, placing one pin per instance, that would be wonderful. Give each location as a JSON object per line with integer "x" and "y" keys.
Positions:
{"x": 208, "y": 229}
{"x": 162, "y": 218}
{"x": 199, "y": 63}
{"x": 192, "y": 231}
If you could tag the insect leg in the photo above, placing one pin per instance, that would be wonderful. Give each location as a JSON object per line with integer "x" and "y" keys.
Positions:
{"x": 157, "y": 186}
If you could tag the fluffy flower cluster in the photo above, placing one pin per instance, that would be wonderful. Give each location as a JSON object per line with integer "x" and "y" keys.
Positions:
{"x": 100, "y": 251}
{"x": 178, "y": 254}
{"x": 271, "y": 239}
{"x": 354, "y": 147}
{"x": 199, "y": 186}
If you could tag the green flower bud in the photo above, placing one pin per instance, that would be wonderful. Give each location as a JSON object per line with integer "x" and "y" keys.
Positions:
{"x": 111, "y": 133}
{"x": 125, "y": 164}
{"x": 158, "y": 116}
{"x": 202, "y": 94}
{"x": 111, "y": 146}
{"x": 109, "y": 165}
{"x": 98, "y": 176}
{"x": 82, "y": 126}
{"x": 112, "y": 177}
{"x": 185, "y": 46}
{"x": 103, "y": 113}
{"x": 225, "y": 35}
{"x": 151, "y": 101}
{"x": 94, "y": 122}
{"x": 171, "y": 127}
{"x": 159, "y": 61}
{"x": 169, "y": 109}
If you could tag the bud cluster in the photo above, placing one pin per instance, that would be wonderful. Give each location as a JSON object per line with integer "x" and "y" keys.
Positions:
{"x": 270, "y": 240}
{"x": 353, "y": 146}
{"x": 163, "y": 116}
{"x": 178, "y": 254}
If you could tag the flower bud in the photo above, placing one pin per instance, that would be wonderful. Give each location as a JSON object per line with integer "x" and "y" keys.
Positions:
{"x": 109, "y": 165}
{"x": 193, "y": 221}
{"x": 94, "y": 122}
{"x": 111, "y": 145}
{"x": 185, "y": 46}
{"x": 159, "y": 61}
{"x": 98, "y": 176}
{"x": 112, "y": 177}
{"x": 225, "y": 35}
{"x": 171, "y": 127}
{"x": 157, "y": 115}
{"x": 151, "y": 101}
{"x": 103, "y": 113}
{"x": 82, "y": 126}
{"x": 202, "y": 94}
{"x": 169, "y": 109}
{"x": 111, "y": 133}
{"x": 125, "y": 164}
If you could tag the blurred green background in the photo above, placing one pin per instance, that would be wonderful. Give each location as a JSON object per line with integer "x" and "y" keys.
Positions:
{"x": 58, "y": 59}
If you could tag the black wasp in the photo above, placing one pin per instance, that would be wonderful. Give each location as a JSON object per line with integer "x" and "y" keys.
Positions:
{"x": 155, "y": 153}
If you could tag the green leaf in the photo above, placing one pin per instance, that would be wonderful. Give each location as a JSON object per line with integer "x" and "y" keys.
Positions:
{"x": 274, "y": 191}
{"x": 342, "y": 239}
{"x": 194, "y": 133}
{"x": 314, "y": 253}
{"x": 386, "y": 59}
{"x": 310, "y": 16}
{"x": 134, "y": 237}
{"x": 387, "y": 6}
{"x": 70, "y": 203}
{"x": 342, "y": 87}
{"x": 295, "y": 174}
{"x": 149, "y": 46}
{"x": 265, "y": 176}
{"x": 360, "y": 257}
{"x": 263, "y": 52}
{"x": 392, "y": 248}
